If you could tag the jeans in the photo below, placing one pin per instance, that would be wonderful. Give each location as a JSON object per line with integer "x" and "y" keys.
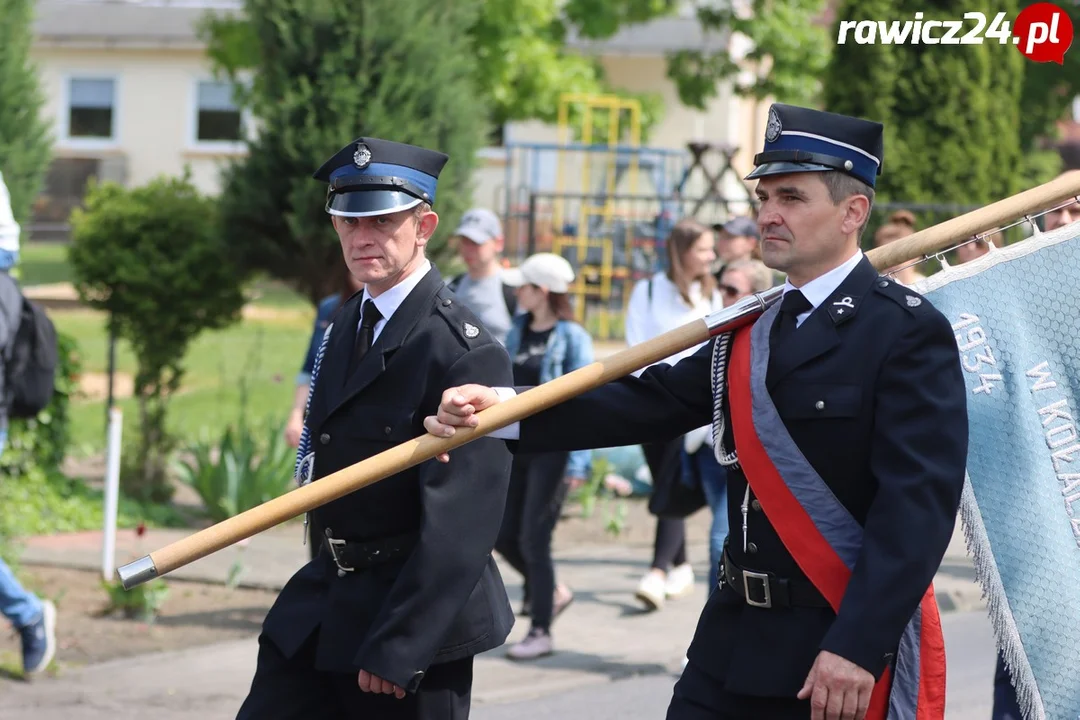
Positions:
{"x": 16, "y": 604}
{"x": 702, "y": 467}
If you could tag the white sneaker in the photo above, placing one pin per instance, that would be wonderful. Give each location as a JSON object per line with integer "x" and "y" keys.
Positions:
{"x": 651, "y": 591}
{"x": 680, "y": 581}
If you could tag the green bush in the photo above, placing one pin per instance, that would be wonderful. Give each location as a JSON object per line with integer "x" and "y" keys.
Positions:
{"x": 152, "y": 259}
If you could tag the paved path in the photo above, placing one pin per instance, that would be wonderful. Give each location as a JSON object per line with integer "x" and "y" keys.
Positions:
{"x": 604, "y": 640}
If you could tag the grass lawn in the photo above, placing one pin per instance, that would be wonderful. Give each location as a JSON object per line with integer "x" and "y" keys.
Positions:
{"x": 43, "y": 263}
{"x": 263, "y": 354}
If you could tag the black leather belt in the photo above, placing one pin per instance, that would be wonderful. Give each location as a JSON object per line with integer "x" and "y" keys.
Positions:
{"x": 765, "y": 590}
{"x": 350, "y": 556}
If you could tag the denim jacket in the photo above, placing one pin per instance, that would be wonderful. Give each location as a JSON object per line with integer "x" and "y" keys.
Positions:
{"x": 569, "y": 348}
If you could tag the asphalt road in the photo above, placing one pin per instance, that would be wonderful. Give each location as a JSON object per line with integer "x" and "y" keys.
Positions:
{"x": 969, "y": 647}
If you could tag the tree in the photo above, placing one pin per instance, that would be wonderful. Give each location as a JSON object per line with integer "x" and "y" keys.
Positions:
{"x": 509, "y": 58}
{"x": 327, "y": 73}
{"x": 1049, "y": 90}
{"x": 951, "y": 112}
{"x": 25, "y": 142}
{"x": 789, "y": 50}
{"x": 151, "y": 257}
{"x": 525, "y": 66}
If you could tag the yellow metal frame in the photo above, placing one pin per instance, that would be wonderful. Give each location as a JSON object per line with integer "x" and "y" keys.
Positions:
{"x": 615, "y": 107}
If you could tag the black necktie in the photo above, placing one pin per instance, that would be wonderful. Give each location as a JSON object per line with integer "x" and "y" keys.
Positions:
{"x": 793, "y": 305}
{"x": 369, "y": 315}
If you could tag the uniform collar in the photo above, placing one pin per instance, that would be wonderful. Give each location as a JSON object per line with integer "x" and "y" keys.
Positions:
{"x": 391, "y": 300}
{"x": 821, "y": 288}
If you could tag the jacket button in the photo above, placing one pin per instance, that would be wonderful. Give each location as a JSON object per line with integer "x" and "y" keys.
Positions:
{"x": 324, "y": 439}
{"x": 884, "y": 283}
{"x": 820, "y": 405}
{"x": 756, "y": 504}
{"x": 447, "y": 302}
{"x": 387, "y": 430}
{"x": 751, "y": 548}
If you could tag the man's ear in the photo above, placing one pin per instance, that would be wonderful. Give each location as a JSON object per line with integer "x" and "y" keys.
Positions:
{"x": 426, "y": 227}
{"x": 858, "y": 209}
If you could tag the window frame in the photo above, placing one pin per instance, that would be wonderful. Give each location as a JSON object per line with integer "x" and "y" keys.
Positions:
{"x": 64, "y": 120}
{"x": 214, "y": 146}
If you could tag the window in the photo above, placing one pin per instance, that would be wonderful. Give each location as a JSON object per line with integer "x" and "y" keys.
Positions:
{"x": 217, "y": 118}
{"x": 91, "y": 106}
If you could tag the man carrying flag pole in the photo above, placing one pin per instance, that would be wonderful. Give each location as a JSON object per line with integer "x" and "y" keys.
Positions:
{"x": 841, "y": 415}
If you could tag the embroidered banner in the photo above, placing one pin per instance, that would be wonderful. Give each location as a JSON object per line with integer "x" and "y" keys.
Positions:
{"x": 1016, "y": 315}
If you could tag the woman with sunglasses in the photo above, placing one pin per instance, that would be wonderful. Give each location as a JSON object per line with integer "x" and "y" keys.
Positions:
{"x": 683, "y": 293}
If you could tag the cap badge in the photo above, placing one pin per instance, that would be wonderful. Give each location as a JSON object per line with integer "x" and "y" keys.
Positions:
{"x": 913, "y": 301}
{"x": 471, "y": 331}
{"x": 773, "y": 128}
{"x": 362, "y": 156}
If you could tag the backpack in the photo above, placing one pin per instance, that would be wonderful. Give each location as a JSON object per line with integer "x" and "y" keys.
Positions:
{"x": 508, "y": 293}
{"x": 30, "y": 362}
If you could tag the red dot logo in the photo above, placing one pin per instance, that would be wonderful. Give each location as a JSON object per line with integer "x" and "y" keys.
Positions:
{"x": 1043, "y": 32}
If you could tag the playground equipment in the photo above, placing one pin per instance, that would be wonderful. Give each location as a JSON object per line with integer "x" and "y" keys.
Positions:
{"x": 605, "y": 202}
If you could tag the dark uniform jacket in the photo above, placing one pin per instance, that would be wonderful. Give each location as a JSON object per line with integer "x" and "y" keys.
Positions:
{"x": 445, "y": 599}
{"x": 875, "y": 399}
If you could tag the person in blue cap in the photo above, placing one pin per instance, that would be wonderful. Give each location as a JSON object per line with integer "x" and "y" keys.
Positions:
{"x": 385, "y": 621}
{"x": 842, "y": 423}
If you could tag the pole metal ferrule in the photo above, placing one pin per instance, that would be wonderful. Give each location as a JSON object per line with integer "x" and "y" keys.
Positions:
{"x": 137, "y": 572}
{"x": 743, "y": 311}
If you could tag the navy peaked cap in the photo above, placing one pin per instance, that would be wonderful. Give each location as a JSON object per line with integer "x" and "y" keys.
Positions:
{"x": 799, "y": 139}
{"x": 370, "y": 176}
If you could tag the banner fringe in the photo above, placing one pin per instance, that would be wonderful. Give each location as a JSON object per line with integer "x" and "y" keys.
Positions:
{"x": 1001, "y": 618}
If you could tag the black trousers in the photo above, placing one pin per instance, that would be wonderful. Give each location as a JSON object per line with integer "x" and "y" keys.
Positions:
{"x": 698, "y": 696}
{"x": 291, "y": 689}
{"x": 669, "y": 549}
{"x": 533, "y": 502}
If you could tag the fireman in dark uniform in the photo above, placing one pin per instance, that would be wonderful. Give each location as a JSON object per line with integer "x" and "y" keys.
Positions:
{"x": 868, "y": 402}
{"x": 385, "y": 621}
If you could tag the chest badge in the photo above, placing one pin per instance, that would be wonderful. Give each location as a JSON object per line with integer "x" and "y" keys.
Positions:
{"x": 471, "y": 331}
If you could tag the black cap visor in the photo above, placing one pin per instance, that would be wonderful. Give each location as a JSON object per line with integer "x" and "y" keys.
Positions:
{"x": 783, "y": 168}
{"x": 369, "y": 203}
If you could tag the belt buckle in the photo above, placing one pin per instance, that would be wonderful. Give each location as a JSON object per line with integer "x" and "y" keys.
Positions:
{"x": 764, "y": 578}
{"x": 333, "y": 544}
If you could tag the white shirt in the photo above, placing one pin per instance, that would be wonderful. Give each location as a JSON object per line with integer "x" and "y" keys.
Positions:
{"x": 9, "y": 229}
{"x": 821, "y": 288}
{"x": 391, "y": 300}
{"x": 816, "y": 291}
{"x": 666, "y": 310}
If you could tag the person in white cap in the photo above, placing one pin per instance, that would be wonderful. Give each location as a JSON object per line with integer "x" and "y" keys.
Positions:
{"x": 479, "y": 238}
{"x": 544, "y": 343}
